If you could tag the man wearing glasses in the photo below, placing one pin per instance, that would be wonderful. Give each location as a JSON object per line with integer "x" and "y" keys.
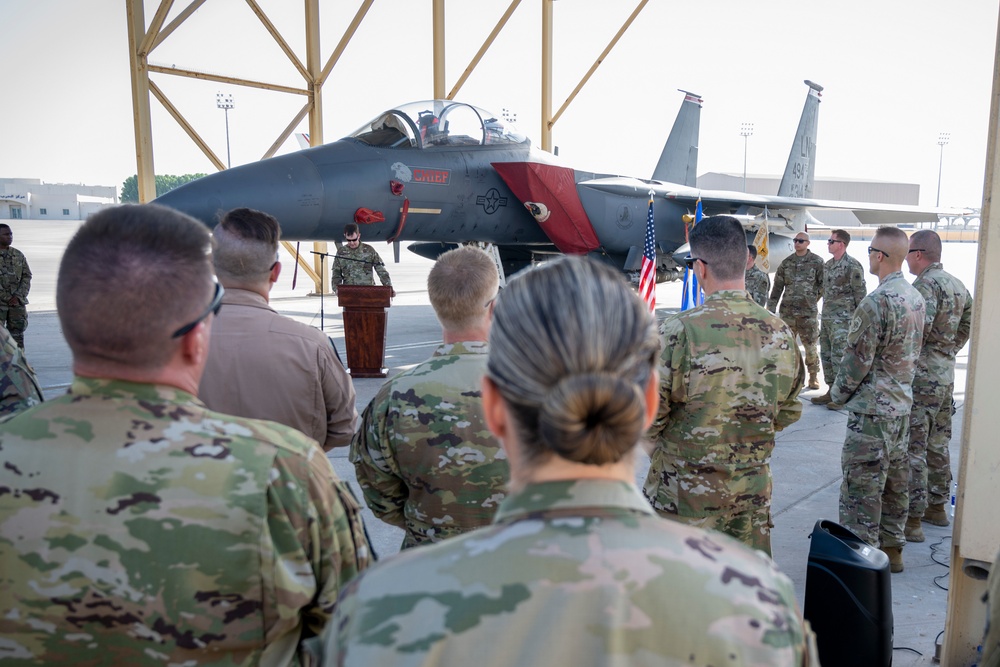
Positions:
{"x": 730, "y": 375}
{"x": 424, "y": 457}
{"x": 946, "y": 330}
{"x": 874, "y": 384}
{"x": 843, "y": 289}
{"x": 134, "y": 521}
{"x": 798, "y": 283}
{"x": 355, "y": 260}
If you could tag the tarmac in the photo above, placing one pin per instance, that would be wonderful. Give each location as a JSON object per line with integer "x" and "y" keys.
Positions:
{"x": 805, "y": 466}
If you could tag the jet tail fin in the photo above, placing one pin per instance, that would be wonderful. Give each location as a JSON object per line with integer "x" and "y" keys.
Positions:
{"x": 303, "y": 139}
{"x": 801, "y": 167}
{"x": 679, "y": 160}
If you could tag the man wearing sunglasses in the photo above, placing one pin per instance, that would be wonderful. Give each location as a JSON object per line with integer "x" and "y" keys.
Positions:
{"x": 798, "y": 284}
{"x": 874, "y": 384}
{"x": 355, "y": 261}
{"x": 946, "y": 330}
{"x": 264, "y": 365}
{"x": 843, "y": 289}
{"x": 730, "y": 375}
{"x": 135, "y": 522}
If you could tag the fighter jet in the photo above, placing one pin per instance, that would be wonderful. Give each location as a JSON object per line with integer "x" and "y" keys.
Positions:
{"x": 439, "y": 173}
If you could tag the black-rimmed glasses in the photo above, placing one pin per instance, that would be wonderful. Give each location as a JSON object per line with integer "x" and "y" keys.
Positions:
{"x": 915, "y": 250}
{"x": 213, "y": 309}
{"x": 872, "y": 249}
{"x": 689, "y": 261}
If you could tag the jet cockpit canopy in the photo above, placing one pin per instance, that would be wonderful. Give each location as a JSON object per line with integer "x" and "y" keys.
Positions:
{"x": 437, "y": 123}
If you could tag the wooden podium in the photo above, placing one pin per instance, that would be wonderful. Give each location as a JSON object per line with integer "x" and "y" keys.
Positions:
{"x": 365, "y": 308}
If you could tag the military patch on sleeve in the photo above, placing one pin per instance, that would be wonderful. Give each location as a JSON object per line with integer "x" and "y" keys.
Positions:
{"x": 855, "y": 325}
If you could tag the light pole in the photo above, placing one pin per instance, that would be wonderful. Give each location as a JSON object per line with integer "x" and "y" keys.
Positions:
{"x": 942, "y": 142}
{"x": 225, "y": 101}
{"x": 746, "y": 131}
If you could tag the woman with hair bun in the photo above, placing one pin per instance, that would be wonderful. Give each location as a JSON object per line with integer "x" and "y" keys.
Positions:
{"x": 577, "y": 568}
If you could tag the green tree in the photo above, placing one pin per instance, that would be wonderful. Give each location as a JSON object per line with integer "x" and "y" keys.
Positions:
{"x": 164, "y": 183}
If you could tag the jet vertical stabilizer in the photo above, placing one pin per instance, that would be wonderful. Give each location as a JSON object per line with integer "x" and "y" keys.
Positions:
{"x": 801, "y": 167}
{"x": 679, "y": 160}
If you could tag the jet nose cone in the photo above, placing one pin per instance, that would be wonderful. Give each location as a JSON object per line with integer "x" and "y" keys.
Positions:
{"x": 288, "y": 187}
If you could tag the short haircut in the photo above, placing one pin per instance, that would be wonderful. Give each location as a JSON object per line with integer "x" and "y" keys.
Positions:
{"x": 351, "y": 228}
{"x": 841, "y": 235}
{"x": 929, "y": 241}
{"x": 721, "y": 242}
{"x": 893, "y": 241}
{"x": 4, "y": 225}
{"x": 752, "y": 249}
{"x": 572, "y": 348}
{"x": 245, "y": 246}
{"x": 130, "y": 277}
{"x": 460, "y": 284}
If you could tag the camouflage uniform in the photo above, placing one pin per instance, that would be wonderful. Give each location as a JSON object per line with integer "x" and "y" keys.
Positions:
{"x": 798, "y": 283}
{"x": 353, "y": 266}
{"x": 19, "y": 388}
{"x": 424, "y": 456}
{"x": 758, "y": 285}
{"x": 136, "y": 526}
{"x": 579, "y": 573}
{"x": 874, "y": 384}
{"x": 946, "y": 330}
{"x": 843, "y": 289}
{"x": 15, "y": 280}
{"x": 729, "y": 379}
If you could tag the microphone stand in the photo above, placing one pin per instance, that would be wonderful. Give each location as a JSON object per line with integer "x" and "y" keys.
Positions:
{"x": 322, "y": 273}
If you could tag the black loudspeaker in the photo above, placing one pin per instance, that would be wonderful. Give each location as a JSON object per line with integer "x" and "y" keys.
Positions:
{"x": 848, "y": 598}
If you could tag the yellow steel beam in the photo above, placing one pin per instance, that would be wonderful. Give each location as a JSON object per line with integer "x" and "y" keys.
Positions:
{"x": 597, "y": 63}
{"x": 484, "y": 48}
{"x": 172, "y": 110}
{"x": 288, "y": 131}
{"x": 192, "y": 74}
{"x": 173, "y": 25}
{"x": 438, "y": 44}
{"x": 146, "y": 179}
{"x": 345, "y": 40}
{"x": 278, "y": 38}
{"x": 154, "y": 26}
{"x": 546, "y": 74}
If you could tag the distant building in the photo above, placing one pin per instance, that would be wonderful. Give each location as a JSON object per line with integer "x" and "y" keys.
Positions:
{"x": 838, "y": 189}
{"x": 29, "y": 198}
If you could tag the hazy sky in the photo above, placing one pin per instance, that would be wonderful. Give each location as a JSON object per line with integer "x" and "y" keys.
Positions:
{"x": 896, "y": 72}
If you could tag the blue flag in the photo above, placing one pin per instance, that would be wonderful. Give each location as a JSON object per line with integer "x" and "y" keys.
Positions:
{"x": 692, "y": 295}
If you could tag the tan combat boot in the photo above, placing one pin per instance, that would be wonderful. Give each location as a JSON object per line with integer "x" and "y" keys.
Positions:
{"x": 813, "y": 381}
{"x": 895, "y": 555}
{"x": 913, "y": 531}
{"x": 821, "y": 400}
{"x": 834, "y": 406}
{"x": 936, "y": 516}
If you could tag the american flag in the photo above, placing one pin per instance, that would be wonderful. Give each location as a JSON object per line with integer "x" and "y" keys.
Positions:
{"x": 647, "y": 278}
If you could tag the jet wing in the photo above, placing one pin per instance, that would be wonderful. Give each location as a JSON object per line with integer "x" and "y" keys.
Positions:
{"x": 867, "y": 213}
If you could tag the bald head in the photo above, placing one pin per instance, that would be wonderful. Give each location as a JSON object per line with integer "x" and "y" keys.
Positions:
{"x": 929, "y": 243}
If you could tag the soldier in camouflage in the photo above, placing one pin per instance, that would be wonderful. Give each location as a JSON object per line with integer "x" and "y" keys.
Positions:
{"x": 730, "y": 378}
{"x": 577, "y": 569}
{"x": 136, "y": 525}
{"x": 947, "y": 326}
{"x": 874, "y": 384}
{"x": 798, "y": 283}
{"x": 423, "y": 455}
{"x": 758, "y": 282}
{"x": 355, "y": 260}
{"x": 15, "y": 281}
{"x": 843, "y": 289}
{"x": 19, "y": 389}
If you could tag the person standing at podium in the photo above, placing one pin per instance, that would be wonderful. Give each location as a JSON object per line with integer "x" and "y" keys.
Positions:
{"x": 355, "y": 260}
{"x": 264, "y": 365}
